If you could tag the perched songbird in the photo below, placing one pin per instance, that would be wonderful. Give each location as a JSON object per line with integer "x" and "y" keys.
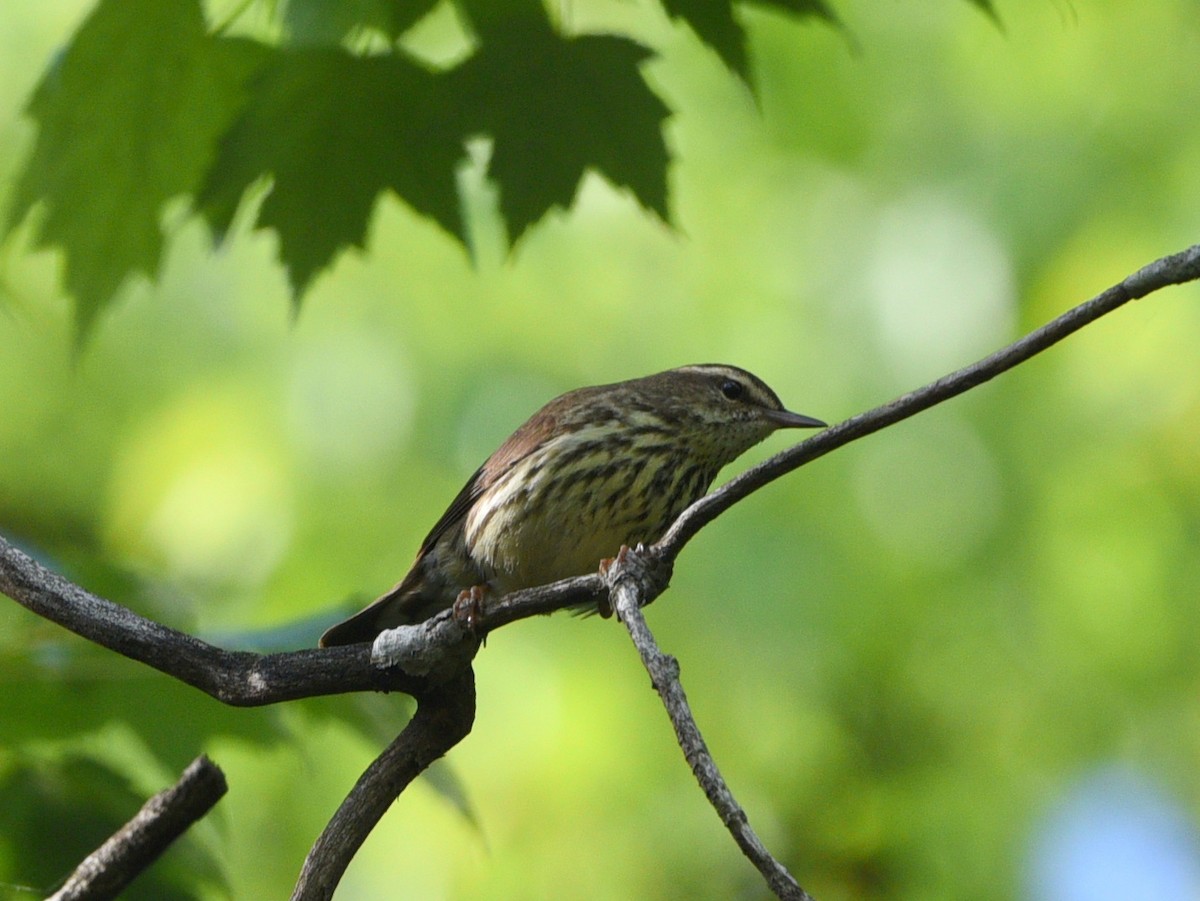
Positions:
{"x": 592, "y": 470}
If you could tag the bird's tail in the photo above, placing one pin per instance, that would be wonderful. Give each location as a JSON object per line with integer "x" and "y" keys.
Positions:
{"x": 386, "y": 612}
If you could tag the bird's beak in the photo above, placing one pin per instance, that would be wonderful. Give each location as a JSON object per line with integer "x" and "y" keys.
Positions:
{"x": 785, "y": 419}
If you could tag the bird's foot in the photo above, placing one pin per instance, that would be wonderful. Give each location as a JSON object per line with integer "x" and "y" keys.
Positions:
{"x": 644, "y": 565}
{"x": 607, "y": 563}
{"x": 468, "y": 607}
{"x": 604, "y": 607}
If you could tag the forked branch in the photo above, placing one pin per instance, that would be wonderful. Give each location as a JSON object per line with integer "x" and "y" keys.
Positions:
{"x": 433, "y": 662}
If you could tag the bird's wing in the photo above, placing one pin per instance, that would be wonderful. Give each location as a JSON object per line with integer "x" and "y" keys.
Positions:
{"x": 403, "y": 602}
{"x": 519, "y": 445}
{"x": 457, "y": 511}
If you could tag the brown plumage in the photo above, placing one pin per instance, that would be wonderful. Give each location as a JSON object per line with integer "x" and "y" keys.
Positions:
{"x": 593, "y": 469}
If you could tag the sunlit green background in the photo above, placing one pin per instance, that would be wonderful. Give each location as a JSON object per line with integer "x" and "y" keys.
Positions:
{"x": 911, "y": 658}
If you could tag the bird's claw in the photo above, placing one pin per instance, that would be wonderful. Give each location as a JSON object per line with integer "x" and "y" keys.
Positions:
{"x": 644, "y": 565}
{"x": 607, "y": 563}
{"x": 468, "y": 607}
{"x": 604, "y": 606}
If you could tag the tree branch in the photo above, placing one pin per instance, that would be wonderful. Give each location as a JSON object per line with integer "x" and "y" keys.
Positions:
{"x": 636, "y": 578}
{"x": 237, "y": 678}
{"x": 1175, "y": 269}
{"x": 248, "y": 679}
{"x": 137, "y": 844}
{"x": 435, "y": 657}
{"x": 443, "y": 719}
{"x": 631, "y": 577}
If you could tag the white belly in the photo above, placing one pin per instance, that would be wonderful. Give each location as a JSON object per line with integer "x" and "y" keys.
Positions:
{"x": 529, "y": 531}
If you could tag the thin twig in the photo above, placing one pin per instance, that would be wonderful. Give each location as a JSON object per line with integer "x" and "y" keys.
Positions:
{"x": 631, "y": 576}
{"x": 111, "y": 867}
{"x": 1175, "y": 269}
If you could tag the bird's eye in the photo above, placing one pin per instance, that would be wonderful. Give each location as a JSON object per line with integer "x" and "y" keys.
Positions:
{"x": 732, "y": 390}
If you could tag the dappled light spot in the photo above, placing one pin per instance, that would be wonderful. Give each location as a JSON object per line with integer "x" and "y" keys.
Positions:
{"x": 942, "y": 285}
{"x": 200, "y": 493}
{"x": 929, "y": 495}
{"x": 350, "y": 397}
{"x": 1116, "y": 834}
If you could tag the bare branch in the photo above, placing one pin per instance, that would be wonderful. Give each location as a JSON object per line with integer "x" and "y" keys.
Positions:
{"x": 443, "y": 719}
{"x": 636, "y": 578}
{"x": 440, "y": 678}
{"x": 137, "y": 844}
{"x": 238, "y": 678}
{"x": 632, "y": 576}
{"x": 252, "y": 679}
{"x": 1175, "y": 269}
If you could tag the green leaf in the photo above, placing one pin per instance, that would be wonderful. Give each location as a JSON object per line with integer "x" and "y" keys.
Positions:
{"x": 128, "y": 118}
{"x": 714, "y": 24}
{"x": 556, "y": 107}
{"x": 334, "y": 130}
{"x": 801, "y": 8}
{"x": 989, "y": 9}
{"x": 325, "y": 22}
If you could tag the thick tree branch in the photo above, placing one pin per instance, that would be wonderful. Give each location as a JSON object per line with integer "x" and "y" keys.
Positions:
{"x": 137, "y": 844}
{"x": 237, "y": 678}
{"x": 443, "y": 718}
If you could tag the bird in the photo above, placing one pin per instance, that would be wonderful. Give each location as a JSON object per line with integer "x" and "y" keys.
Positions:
{"x": 593, "y": 470}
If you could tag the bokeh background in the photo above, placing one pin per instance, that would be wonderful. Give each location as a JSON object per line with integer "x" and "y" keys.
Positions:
{"x": 957, "y": 660}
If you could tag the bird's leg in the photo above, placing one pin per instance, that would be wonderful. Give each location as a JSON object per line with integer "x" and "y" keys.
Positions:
{"x": 604, "y": 607}
{"x": 468, "y": 606}
{"x": 606, "y": 563}
{"x": 642, "y": 564}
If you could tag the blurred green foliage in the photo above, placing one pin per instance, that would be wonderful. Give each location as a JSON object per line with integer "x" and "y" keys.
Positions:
{"x": 904, "y": 656}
